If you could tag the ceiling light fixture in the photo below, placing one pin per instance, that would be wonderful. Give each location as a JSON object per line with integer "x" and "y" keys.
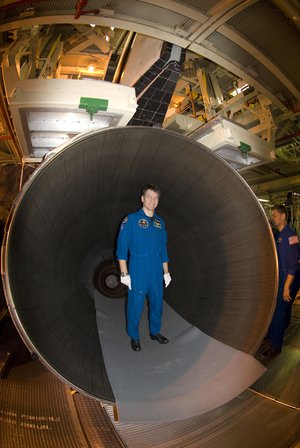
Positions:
{"x": 239, "y": 90}
{"x": 91, "y": 68}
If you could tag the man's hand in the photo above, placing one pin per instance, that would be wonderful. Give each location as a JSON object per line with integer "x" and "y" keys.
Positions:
{"x": 167, "y": 279}
{"x": 126, "y": 281}
{"x": 286, "y": 294}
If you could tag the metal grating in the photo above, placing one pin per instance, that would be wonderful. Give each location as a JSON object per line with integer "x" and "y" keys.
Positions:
{"x": 273, "y": 33}
{"x": 248, "y": 421}
{"x": 142, "y": 12}
{"x": 36, "y": 409}
{"x": 151, "y": 13}
{"x": 96, "y": 425}
{"x": 204, "y": 6}
{"x": 281, "y": 380}
{"x": 292, "y": 335}
{"x": 233, "y": 52}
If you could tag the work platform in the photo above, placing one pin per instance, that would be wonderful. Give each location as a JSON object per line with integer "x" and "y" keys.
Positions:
{"x": 39, "y": 411}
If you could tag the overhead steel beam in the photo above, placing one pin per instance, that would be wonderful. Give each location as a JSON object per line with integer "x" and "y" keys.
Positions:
{"x": 277, "y": 185}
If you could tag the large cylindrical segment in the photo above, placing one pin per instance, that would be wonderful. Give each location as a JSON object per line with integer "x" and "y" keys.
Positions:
{"x": 65, "y": 224}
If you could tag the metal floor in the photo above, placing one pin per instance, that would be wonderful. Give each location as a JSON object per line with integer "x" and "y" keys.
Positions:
{"x": 38, "y": 411}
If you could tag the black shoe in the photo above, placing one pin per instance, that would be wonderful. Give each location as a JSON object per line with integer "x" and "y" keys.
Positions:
{"x": 158, "y": 337}
{"x": 270, "y": 353}
{"x": 135, "y": 345}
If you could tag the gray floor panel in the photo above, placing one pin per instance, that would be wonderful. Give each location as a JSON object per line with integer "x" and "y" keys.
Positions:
{"x": 190, "y": 375}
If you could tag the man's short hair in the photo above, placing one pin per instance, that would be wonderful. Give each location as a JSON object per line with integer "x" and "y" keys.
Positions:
{"x": 280, "y": 208}
{"x": 152, "y": 187}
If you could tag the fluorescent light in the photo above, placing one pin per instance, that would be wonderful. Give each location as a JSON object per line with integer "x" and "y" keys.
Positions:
{"x": 239, "y": 90}
{"x": 263, "y": 200}
{"x": 48, "y": 130}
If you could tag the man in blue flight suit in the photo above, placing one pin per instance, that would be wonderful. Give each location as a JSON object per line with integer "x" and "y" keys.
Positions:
{"x": 143, "y": 237}
{"x": 288, "y": 253}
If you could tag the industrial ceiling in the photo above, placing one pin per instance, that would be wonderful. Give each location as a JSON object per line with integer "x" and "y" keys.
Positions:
{"x": 252, "y": 43}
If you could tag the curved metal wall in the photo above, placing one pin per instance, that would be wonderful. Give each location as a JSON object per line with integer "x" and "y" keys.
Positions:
{"x": 65, "y": 223}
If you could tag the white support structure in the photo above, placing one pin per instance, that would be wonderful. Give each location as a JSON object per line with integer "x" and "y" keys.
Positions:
{"x": 48, "y": 112}
{"x": 237, "y": 145}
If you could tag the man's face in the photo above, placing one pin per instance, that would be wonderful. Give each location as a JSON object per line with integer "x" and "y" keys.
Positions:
{"x": 150, "y": 200}
{"x": 279, "y": 219}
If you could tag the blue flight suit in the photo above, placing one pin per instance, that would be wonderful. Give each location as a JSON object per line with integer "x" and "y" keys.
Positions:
{"x": 145, "y": 240}
{"x": 288, "y": 253}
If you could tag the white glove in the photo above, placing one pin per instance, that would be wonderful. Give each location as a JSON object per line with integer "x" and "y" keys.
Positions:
{"x": 167, "y": 279}
{"x": 126, "y": 281}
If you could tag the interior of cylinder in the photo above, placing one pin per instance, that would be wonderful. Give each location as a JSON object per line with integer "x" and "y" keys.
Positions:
{"x": 222, "y": 257}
